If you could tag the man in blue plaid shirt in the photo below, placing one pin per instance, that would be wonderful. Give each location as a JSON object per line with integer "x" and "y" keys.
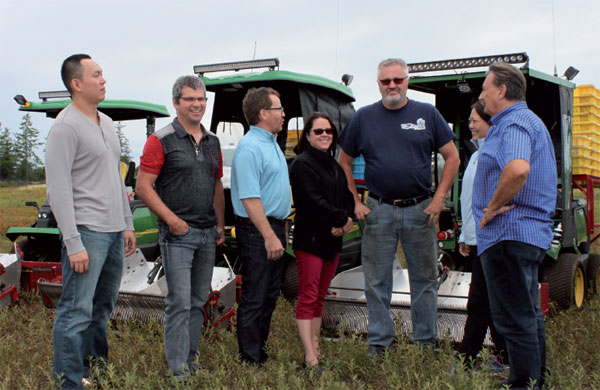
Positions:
{"x": 514, "y": 197}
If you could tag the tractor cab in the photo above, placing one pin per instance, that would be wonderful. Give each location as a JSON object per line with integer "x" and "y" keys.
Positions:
{"x": 301, "y": 95}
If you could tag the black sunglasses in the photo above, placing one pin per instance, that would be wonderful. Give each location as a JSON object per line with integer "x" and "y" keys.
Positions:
{"x": 396, "y": 80}
{"x": 328, "y": 131}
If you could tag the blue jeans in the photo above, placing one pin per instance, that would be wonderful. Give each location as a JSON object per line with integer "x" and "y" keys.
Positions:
{"x": 261, "y": 282}
{"x": 85, "y": 304}
{"x": 188, "y": 260}
{"x": 511, "y": 273}
{"x": 385, "y": 226}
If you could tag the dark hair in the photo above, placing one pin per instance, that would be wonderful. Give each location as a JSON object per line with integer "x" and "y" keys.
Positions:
{"x": 479, "y": 108}
{"x": 512, "y": 78}
{"x": 71, "y": 69}
{"x": 308, "y": 125}
{"x": 257, "y": 99}
{"x": 193, "y": 82}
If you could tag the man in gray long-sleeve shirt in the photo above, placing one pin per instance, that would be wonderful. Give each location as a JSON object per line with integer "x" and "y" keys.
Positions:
{"x": 88, "y": 198}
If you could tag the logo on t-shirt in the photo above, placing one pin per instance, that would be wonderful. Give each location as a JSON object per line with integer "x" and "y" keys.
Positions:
{"x": 411, "y": 126}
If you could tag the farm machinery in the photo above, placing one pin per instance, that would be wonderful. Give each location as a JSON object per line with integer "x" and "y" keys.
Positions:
{"x": 564, "y": 274}
{"x": 143, "y": 287}
{"x": 569, "y": 267}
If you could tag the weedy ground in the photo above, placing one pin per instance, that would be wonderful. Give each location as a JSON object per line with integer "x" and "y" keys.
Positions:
{"x": 137, "y": 359}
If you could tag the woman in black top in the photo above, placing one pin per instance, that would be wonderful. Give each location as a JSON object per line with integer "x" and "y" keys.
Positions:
{"x": 324, "y": 210}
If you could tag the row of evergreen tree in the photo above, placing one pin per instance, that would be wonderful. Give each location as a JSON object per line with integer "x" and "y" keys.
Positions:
{"x": 19, "y": 161}
{"x": 18, "y": 158}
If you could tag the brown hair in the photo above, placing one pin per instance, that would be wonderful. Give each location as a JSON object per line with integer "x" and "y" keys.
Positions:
{"x": 479, "y": 108}
{"x": 308, "y": 125}
{"x": 512, "y": 78}
{"x": 257, "y": 99}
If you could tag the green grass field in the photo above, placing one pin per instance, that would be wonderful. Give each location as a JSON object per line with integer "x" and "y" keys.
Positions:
{"x": 138, "y": 360}
{"x": 13, "y": 211}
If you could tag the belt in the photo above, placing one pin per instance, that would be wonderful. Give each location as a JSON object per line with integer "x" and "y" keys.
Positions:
{"x": 401, "y": 202}
{"x": 272, "y": 220}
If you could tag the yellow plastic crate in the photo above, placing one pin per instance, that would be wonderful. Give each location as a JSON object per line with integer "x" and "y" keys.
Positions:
{"x": 581, "y": 161}
{"x": 593, "y": 140}
{"x": 582, "y": 151}
{"x": 583, "y": 171}
{"x": 586, "y": 127}
{"x": 585, "y": 109}
{"x": 586, "y": 100}
{"x": 586, "y": 117}
{"x": 595, "y": 166}
{"x": 587, "y": 89}
{"x": 581, "y": 140}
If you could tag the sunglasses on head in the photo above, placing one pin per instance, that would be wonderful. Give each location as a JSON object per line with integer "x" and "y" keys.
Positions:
{"x": 328, "y": 131}
{"x": 396, "y": 80}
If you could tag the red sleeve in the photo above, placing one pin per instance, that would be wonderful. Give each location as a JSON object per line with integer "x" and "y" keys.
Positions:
{"x": 220, "y": 169}
{"x": 153, "y": 157}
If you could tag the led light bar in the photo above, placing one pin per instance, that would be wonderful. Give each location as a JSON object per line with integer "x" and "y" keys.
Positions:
{"x": 53, "y": 95}
{"x": 270, "y": 63}
{"x": 471, "y": 62}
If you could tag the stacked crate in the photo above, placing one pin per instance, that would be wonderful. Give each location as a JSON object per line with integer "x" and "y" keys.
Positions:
{"x": 586, "y": 131}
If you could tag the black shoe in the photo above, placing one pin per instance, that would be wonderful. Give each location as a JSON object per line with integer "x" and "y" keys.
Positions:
{"x": 378, "y": 351}
{"x": 508, "y": 385}
{"x": 317, "y": 369}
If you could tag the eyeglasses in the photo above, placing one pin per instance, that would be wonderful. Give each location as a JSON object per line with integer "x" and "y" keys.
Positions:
{"x": 275, "y": 109}
{"x": 396, "y": 80}
{"x": 328, "y": 131}
{"x": 189, "y": 99}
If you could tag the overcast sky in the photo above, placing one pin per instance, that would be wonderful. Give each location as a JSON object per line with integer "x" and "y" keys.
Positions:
{"x": 143, "y": 46}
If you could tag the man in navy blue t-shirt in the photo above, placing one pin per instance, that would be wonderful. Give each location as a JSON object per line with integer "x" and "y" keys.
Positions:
{"x": 397, "y": 137}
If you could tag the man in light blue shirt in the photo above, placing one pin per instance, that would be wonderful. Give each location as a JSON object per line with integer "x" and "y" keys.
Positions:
{"x": 514, "y": 197}
{"x": 261, "y": 198}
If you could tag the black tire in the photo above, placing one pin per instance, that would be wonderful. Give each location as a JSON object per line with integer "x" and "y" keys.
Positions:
{"x": 593, "y": 275}
{"x": 566, "y": 279}
{"x": 289, "y": 285}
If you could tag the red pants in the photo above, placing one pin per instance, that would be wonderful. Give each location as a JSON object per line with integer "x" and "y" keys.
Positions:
{"x": 314, "y": 277}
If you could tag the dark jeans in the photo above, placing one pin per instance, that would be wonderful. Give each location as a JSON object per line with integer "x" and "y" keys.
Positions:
{"x": 478, "y": 315}
{"x": 511, "y": 273}
{"x": 261, "y": 282}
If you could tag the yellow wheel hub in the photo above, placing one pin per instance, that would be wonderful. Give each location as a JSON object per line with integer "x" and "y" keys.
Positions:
{"x": 579, "y": 287}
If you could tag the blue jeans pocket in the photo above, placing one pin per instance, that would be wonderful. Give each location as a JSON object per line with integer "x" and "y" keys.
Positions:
{"x": 372, "y": 218}
{"x": 179, "y": 236}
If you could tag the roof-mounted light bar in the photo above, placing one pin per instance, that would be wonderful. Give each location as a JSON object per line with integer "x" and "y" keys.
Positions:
{"x": 270, "y": 63}
{"x": 53, "y": 95}
{"x": 471, "y": 62}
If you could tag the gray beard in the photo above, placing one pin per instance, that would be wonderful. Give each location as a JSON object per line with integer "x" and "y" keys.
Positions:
{"x": 394, "y": 101}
